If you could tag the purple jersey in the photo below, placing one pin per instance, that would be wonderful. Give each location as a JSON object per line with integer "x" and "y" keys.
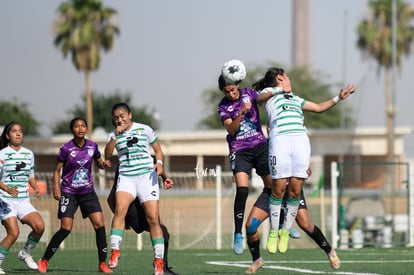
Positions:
{"x": 77, "y": 164}
{"x": 250, "y": 133}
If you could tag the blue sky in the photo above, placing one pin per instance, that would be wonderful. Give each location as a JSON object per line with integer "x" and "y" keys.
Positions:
{"x": 169, "y": 52}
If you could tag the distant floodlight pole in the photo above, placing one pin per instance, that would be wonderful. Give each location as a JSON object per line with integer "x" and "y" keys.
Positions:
{"x": 392, "y": 109}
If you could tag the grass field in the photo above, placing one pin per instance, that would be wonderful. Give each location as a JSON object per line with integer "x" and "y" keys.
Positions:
{"x": 368, "y": 261}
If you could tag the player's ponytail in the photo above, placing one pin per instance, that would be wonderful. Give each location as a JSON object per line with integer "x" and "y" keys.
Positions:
{"x": 269, "y": 80}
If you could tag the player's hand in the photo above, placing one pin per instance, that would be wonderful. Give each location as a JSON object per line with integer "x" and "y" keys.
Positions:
{"x": 12, "y": 191}
{"x": 120, "y": 128}
{"x": 168, "y": 183}
{"x": 248, "y": 105}
{"x": 38, "y": 194}
{"x": 107, "y": 163}
{"x": 286, "y": 85}
{"x": 347, "y": 91}
{"x": 56, "y": 193}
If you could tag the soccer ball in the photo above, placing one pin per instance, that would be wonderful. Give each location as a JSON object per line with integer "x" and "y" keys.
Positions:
{"x": 233, "y": 71}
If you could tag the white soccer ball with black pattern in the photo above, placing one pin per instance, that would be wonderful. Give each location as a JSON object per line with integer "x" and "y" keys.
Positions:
{"x": 233, "y": 71}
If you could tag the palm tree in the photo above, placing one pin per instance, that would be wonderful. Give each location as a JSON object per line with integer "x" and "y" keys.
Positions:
{"x": 82, "y": 28}
{"x": 375, "y": 40}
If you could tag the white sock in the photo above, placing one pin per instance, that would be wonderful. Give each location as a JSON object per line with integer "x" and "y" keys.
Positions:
{"x": 115, "y": 242}
{"x": 291, "y": 209}
{"x": 158, "y": 251}
{"x": 275, "y": 206}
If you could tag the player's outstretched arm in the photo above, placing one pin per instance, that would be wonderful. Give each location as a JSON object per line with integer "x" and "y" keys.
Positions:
{"x": 328, "y": 104}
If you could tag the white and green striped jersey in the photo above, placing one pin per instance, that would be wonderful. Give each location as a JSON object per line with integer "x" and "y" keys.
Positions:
{"x": 134, "y": 152}
{"x": 284, "y": 113}
{"x": 16, "y": 168}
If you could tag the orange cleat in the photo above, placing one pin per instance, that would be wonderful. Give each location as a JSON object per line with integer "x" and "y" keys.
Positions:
{"x": 158, "y": 266}
{"x": 115, "y": 255}
{"x": 104, "y": 268}
{"x": 42, "y": 266}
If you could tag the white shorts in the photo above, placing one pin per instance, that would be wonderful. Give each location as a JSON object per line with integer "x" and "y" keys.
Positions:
{"x": 145, "y": 187}
{"x": 12, "y": 207}
{"x": 289, "y": 156}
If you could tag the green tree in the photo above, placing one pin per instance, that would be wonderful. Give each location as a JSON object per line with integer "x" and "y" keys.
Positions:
{"x": 82, "y": 28}
{"x": 306, "y": 84}
{"x": 102, "y": 105}
{"x": 17, "y": 111}
{"x": 375, "y": 41}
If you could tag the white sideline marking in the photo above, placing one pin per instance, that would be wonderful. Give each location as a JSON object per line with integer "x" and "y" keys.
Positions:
{"x": 270, "y": 265}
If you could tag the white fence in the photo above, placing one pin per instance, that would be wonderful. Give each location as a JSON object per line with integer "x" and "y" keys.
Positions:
{"x": 382, "y": 217}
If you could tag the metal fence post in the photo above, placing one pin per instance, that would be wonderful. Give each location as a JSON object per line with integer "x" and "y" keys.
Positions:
{"x": 334, "y": 186}
{"x": 218, "y": 207}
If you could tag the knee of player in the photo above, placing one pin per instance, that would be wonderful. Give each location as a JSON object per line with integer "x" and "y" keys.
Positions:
{"x": 38, "y": 227}
{"x": 305, "y": 224}
{"x": 308, "y": 228}
{"x": 98, "y": 224}
{"x": 153, "y": 222}
{"x": 120, "y": 213}
{"x": 252, "y": 226}
{"x": 278, "y": 193}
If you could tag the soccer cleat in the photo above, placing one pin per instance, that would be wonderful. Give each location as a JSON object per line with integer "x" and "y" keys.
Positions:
{"x": 238, "y": 244}
{"x": 27, "y": 258}
{"x": 42, "y": 265}
{"x": 104, "y": 268}
{"x": 293, "y": 233}
{"x": 168, "y": 271}
{"x": 334, "y": 260}
{"x": 2, "y": 271}
{"x": 158, "y": 266}
{"x": 115, "y": 255}
{"x": 256, "y": 265}
{"x": 271, "y": 244}
{"x": 283, "y": 240}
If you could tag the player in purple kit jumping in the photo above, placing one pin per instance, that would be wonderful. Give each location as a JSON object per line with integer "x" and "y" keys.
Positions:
{"x": 248, "y": 147}
{"x": 75, "y": 188}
